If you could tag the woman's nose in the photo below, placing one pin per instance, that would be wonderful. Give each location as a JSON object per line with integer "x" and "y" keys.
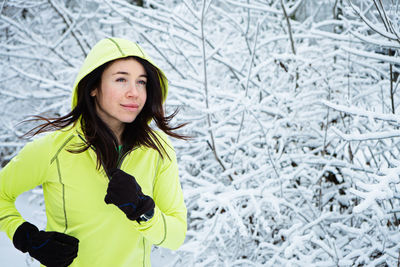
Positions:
{"x": 133, "y": 90}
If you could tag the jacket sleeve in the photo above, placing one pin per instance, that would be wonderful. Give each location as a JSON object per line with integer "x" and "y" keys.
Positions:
{"x": 168, "y": 226}
{"x": 24, "y": 172}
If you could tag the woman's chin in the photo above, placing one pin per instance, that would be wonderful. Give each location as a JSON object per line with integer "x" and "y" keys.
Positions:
{"x": 128, "y": 120}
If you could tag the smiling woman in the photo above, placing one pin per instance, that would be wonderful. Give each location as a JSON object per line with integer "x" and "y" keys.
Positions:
{"x": 110, "y": 181}
{"x": 121, "y": 94}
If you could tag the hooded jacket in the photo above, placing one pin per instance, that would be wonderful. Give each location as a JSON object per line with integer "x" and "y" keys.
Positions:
{"x": 74, "y": 189}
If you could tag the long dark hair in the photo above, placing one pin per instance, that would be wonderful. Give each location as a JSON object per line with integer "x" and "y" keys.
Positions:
{"x": 99, "y": 136}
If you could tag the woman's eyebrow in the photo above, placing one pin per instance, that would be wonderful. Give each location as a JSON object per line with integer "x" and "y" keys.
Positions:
{"x": 121, "y": 72}
{"x": 127, "y": 73}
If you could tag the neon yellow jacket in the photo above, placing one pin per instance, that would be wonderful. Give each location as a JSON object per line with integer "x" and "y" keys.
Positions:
{"x": 74, "y": 189}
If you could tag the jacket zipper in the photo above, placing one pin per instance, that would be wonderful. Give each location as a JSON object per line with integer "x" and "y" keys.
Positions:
{"x": 121, "y": 160}
{"x": 119, "y": 164}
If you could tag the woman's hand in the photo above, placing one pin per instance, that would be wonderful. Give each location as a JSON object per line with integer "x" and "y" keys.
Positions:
{"x": 124, "y": 192}
{"x": 52, "y": 249}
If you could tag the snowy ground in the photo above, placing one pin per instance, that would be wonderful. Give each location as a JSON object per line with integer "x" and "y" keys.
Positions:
{"x": 11, "y": 257}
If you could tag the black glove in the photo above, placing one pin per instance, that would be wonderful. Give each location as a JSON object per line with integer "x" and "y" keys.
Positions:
{"x": 124, "y": 192}
{"x": 49, "y": 248}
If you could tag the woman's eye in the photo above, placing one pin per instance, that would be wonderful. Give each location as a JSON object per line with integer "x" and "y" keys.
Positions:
{"x": 121, "y": 80}
{"x": 141, "y": 82}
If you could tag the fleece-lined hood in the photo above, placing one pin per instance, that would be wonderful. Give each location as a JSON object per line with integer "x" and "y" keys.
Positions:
{"x": 107, "y": 50}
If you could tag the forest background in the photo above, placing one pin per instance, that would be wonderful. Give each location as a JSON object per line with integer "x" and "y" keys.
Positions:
{"x": 292, "y": 106}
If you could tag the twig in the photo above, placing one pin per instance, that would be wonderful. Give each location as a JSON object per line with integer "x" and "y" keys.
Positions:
{"x": 398, "y": 260}
{"x": 68, "y": 26}
{"x": 382, "y": 15}
{"x": 253, "y": 52}
{"x": 268, "y": 151}
{"x": 177, "y": 47}
{"x": 391, "y": 85}
{"x": 145, "y": 36}
{"x": 389, "y": 28}
{"x": 248, "y": 21}
{"x": 367, "y": 136}
{"x": 2, "y": 6}
{"x": 362, "y": 112}
{"x": 388, "y": 35}
{"x": 291, "y": 39}
{"x": 254, "y": 7}
{"x": 203, "y": 43}
{"x": 160, "y": 52}
{"x": 191, "y": 10}
{"x": 289, "y": 28}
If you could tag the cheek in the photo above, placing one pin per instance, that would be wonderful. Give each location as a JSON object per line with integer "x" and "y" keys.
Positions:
{"x": 144, "y": 97}
{"x": 105, "y": 101}
{"x": 110, "y": 94}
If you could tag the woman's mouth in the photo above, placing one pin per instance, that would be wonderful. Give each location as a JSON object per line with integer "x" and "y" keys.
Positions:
{"x": 130, "y": 107}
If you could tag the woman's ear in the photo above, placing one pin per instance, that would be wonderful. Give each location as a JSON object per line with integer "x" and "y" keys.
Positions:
{"x": 93, "y": 93}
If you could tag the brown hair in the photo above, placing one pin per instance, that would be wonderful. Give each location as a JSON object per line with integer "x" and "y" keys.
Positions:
{"x": 99, "y": 136}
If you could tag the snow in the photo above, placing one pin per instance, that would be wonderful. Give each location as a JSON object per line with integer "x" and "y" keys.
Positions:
{"x": 9, "y": 255}
{"x": 295, "y": 160}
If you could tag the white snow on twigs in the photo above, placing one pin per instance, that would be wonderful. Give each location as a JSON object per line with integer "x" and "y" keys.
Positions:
{"x": 366, "y": 136}
{"x": 376, "y": 56}
{"x": 362, "y": 112}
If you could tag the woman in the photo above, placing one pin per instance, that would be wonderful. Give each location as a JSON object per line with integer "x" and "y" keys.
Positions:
{"x": 110, "y": 182}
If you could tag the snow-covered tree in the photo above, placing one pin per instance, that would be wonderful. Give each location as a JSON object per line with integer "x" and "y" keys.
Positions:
{"x": 291, "y": 105}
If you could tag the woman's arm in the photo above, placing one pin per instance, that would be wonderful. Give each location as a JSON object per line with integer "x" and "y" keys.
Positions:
{"x": 24, "y": 172}
{"x": 168, "y": 226}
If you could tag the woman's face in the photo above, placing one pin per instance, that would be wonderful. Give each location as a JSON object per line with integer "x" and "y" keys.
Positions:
{"x": 122, "y": 93}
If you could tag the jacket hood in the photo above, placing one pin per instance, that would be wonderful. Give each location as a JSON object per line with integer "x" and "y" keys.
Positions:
{"x": 107, "y": 50}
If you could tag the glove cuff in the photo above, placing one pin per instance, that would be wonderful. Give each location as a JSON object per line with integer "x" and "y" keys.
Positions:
{"x": 146, "y": 216}
{"x": 22, "y": 234}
